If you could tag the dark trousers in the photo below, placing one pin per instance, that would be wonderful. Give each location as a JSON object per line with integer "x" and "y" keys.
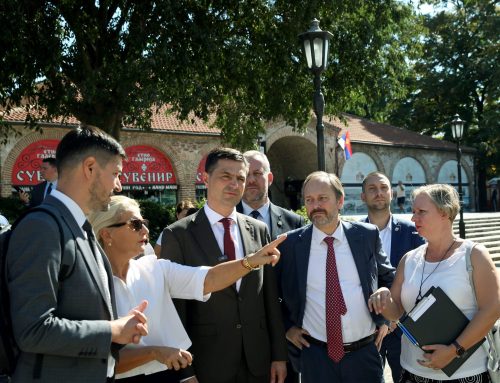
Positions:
{"x": 245, "y": 376}
{"x": 361, "y": 366}
{"x": 391, "y": 350}
{"x": 167, "y": 376}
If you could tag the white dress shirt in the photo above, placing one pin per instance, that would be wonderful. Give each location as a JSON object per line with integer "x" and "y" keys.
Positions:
{"x": 357, "y": 322}
{"x": 158, "y": 281}
{"x": 264, "y": 211}
{"x": 218, "y": 230}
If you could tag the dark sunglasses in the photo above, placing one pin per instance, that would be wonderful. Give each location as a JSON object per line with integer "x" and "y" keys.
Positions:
{"x": 135, "y": 224}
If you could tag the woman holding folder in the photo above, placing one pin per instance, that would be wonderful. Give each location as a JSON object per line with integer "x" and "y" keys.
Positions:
{"x": 441, "y": 262}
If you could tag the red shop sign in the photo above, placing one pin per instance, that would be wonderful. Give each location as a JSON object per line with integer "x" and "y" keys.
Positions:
{"x": 199, "y": 173}
{"x": 26, "y": 169}
{"x": 147, "y": 166}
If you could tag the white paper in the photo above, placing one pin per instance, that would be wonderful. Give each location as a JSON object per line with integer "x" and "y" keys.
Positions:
{"x": 422, "y": 307}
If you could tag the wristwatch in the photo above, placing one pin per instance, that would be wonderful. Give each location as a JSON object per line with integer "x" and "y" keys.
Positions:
{"x": 459, "y": 349}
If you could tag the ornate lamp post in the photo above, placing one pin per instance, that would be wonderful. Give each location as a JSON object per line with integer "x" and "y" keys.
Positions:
{"x": 457, "y": 130}
{"x": 315, "y": 43}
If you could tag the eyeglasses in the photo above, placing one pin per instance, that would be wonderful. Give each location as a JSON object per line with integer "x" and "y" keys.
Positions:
{"x": 135, "y": 224}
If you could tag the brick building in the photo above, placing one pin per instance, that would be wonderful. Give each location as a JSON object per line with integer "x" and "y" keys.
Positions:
{"x": 165, "y": 164}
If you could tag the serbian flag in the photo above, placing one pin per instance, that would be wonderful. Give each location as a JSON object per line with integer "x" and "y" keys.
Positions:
{"x": 345, "y": 143}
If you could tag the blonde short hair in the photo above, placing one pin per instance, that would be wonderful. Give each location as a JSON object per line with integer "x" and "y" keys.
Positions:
{"x": 117, "y": 207}
{"x": 443, "y": 196}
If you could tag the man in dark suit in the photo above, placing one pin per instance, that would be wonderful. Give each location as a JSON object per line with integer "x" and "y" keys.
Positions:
{"x": 66, "y": 328}
{"x": 398, "y": 236}
{"x": 256, "y": 203}
{"x": 48, "y": 170}
{"x": 238, "y": 335}
{"x": 328, "y": 270}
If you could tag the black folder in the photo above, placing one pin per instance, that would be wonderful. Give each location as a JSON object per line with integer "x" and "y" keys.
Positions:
{"x": 437, "y": 320}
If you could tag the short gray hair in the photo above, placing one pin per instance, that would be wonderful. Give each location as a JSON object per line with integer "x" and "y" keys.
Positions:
{"x": 261, "y": 156}
{"x": 334, "y": 181}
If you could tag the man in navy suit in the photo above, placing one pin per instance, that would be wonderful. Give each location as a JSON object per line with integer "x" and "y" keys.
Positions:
{"x": 333, "y": 261}
{"x": 398, "y": 237}
{"x": 48, "y": 170}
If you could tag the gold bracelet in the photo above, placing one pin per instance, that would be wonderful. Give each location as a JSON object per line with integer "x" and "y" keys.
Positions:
{"x": 247, "y": 265}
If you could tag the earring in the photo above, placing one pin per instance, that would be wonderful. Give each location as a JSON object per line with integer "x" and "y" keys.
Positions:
{"x": 109, "y": 244}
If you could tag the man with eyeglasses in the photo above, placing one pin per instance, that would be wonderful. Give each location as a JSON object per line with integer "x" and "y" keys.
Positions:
{"x": 62, "y": 302}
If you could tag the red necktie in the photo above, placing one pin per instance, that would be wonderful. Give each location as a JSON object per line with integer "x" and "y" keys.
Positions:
{"x": 335, "y": 306}
{"x": 229, "y": 251}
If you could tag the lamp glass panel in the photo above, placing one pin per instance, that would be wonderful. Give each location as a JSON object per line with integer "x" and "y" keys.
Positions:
{"x": 307, "y": 50}
{"x": 318, "y": 52}
{"x": 327, "y": 45}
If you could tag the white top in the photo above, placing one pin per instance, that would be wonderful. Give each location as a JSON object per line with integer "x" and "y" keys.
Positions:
{"x": 218, "y": 230}
{"x": 158, "y": 281}
{"x": 400, "y": 193}
{"x": 3, "y": 220}
{"x": 158, "y": 241}
{"x": 357, "y": 322}
{"x": 79, "y": 216}
{"x": 264, "y": 212}
{"x": 452, "y": 276}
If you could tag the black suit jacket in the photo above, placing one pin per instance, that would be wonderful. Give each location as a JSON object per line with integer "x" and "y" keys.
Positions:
{"x": 282, "y": 220}
{"x": 232, "y": 325}
{"x": 37, "y": 194}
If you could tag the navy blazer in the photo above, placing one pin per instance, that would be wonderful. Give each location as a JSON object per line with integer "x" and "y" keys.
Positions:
{"x": 371, "y": 262}
{"x": 404, "y": 238}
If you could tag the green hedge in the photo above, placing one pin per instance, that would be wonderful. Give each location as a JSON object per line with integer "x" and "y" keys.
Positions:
{"x": 11, "y": 208}
{"x": 159, "y": 216}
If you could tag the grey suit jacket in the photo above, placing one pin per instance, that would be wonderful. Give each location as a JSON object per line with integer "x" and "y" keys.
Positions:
{"x": 282, "y": 220}
{"x": 233, "y": 324}
{"x": 62, "y": 328}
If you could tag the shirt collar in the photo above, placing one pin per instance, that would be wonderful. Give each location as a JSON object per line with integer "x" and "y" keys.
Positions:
{"x": 214, "y": 217}
{"x": 75, "y": 210}
{"x": 263, "y": 210}
{"x": 388, "y": 226}
{"x": 339, "y": 235}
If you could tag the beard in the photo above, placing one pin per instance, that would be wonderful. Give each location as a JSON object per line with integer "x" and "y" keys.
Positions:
{"x": 260, "y": 196}
{"x": 321, "y": 220}
{"x": 99, "y": 198}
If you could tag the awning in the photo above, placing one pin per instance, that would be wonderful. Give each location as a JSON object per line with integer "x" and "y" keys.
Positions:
{"x": 147, "y": 168}
{"x": 26, "y": 169}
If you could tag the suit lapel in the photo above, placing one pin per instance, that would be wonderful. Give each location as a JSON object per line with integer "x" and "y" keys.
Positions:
{"x": 276, "y": 221}
{"x": 84, "y": 247}
{"x": 396, "y": 232}
{"x": 204, "y": 236}
{"x": 248, "y": 244}
{"x": 302, "y": 250}
{"x": 358, "y": 250}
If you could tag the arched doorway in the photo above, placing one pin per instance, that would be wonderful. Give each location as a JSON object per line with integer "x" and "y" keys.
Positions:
{"x": 411, "y": 173}
{"x": 448, "y": 174}
{"x": 291, "y": 159}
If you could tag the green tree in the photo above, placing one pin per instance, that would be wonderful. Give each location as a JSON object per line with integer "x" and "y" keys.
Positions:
{"x": 108, "y": 62}
{"x": 459, "y": 73}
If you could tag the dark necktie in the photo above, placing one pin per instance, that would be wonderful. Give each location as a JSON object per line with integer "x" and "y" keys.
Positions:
{"x": 49, "y": 189}
{"x": 335, "y": 306}
{"x": 255, "y": 214}
{"x": 229, "y": 250}
{"x": 98, "y": 257}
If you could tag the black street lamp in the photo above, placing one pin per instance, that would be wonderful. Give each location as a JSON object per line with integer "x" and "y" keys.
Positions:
{"x": 457, "y": 130}
{"x": 315, "y": 43}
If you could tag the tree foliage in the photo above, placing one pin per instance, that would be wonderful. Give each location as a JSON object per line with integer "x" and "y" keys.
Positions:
{"x": 108, "y": 62}
{"x": 459, "y": 73}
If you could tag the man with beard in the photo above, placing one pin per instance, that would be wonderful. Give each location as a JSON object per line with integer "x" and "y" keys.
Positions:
{"x": 238, "y": 335}
{"x": 60, "y": 285}
{"x": 256, "y": 203}
{"x": 328, "y": 271}
{"x": 398, "y": 236}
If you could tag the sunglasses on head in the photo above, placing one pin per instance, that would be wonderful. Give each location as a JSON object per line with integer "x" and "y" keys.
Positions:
{"x": 135, "y": 224}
